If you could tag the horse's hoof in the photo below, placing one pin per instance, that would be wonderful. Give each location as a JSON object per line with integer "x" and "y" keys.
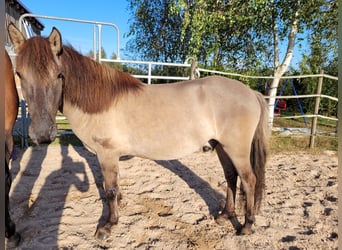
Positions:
{"x": 14, "y": 240}
{"x": 221, "y": 219}
{"x": 102, "y": 234}
{"x": 245, "y": 231}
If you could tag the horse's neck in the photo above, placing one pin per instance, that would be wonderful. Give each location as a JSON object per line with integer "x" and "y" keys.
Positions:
{"x": 70, "y": 111}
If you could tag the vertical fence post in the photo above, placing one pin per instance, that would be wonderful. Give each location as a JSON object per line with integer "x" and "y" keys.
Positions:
{"x": 94, "y": 43}
{"x": 100, "y": 42}
{"x": 149, "y": 73}
{"x": 314, "y": 120}
{"x": 194, "y": 64}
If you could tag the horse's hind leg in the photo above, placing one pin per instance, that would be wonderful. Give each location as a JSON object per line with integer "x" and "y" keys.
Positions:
{"x": 248, "y": 180}
{"x": 231, "y": 178}
{"x": 110, "y": 171}
{"x": 240, "y": 158}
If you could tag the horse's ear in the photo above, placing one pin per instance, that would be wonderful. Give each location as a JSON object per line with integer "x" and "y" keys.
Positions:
{"x": 17, "y": 38}
{"x": 55, "y": 40}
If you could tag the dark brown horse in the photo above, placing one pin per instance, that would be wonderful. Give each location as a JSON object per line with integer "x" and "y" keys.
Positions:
{"x": 115, "y": 114}
{"x": 11, "y": 112}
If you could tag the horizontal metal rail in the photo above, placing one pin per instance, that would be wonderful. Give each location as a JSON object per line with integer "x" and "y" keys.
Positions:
{"x": 147, "y": 63}
{"x": 308, "y": 116}
{"x": 149, "y": 75}
{"x": 267, "y": 77}
{"x": 79, "y": 21}
{"x": 175, "y": 78}
{"x": 303, "y": 96}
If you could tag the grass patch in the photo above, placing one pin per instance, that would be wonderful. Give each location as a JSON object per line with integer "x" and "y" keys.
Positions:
{"x": 293, "y": 144}
{"x": 322, "y": 124}
{"x": 63, "y": 125}
{"x": 68, "y": 139}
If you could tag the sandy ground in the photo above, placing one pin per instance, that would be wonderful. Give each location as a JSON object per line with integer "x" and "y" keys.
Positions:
{"x": 56, "y": 202}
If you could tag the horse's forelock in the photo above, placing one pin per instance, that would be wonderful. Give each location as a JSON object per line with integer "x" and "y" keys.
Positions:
{"x": 35, "y": 57}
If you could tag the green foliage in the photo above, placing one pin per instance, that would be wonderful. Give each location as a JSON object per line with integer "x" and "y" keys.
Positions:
{"x": 242, "y": 37}
{"x": 156, "y": 31}
{"x": 236, "y": 35}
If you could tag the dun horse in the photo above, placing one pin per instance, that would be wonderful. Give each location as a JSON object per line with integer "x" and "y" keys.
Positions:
{"x": 11, "y": 111}
{"x": 115, "y": 114}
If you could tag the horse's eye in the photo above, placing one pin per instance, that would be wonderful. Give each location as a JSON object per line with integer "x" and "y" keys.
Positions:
{"x": 18, "y": 74}
{"x": 60, "y": 76}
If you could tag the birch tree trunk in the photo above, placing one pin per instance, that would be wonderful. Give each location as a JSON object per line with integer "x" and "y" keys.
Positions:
{"x": 279, "y": 70}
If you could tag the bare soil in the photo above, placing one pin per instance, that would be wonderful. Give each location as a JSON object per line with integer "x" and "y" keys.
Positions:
{"x": 56, "y": 202}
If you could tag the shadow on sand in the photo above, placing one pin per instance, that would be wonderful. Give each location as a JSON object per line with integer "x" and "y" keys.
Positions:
{"x": 26, "y": 206}
{"x": 211, "y": 197}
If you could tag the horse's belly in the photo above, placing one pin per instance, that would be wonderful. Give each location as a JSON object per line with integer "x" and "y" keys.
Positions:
{"x": 166, "y": 145}
{"x": 166, "y": 151}
{"x": 169, "y": 140}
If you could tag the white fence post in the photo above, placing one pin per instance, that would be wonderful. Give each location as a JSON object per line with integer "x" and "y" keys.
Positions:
{"x": 314, "y": 119}
{"x": 149, "y": 73}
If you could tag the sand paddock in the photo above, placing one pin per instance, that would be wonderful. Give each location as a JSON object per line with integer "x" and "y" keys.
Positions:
{"x": 56, "y": 202}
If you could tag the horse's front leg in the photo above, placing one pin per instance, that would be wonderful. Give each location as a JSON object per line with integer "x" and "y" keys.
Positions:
{"x": 110, "y": 171}
{"x": 10, "y": 232}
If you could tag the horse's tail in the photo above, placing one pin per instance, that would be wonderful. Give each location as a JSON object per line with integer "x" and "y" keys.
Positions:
{"x": 259, "y": 151}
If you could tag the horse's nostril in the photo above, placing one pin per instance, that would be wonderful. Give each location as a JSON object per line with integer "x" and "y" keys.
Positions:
{"x": 53, "y": 132}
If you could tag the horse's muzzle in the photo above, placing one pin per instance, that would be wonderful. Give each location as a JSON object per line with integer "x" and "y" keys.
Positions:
{"x": 42, "y": 136}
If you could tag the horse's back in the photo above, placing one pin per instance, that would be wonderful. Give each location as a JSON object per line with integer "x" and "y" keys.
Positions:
{"x": 212, "y": 87}
{"x": 228, "y": 98}
{"x": 222, "y": 90}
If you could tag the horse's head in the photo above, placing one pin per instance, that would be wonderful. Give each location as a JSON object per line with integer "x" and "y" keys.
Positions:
{"x": 39, "y": 67}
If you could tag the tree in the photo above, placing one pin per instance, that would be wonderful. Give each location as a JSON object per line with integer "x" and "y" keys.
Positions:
{"x": 173, "y": 30}
{"x": 297, "y": 16}
{"x": 155, "y": 31}
{"x": 103, "y": 54}
{"x": 115, "y": 65}
{"x": 236, "y": 35}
